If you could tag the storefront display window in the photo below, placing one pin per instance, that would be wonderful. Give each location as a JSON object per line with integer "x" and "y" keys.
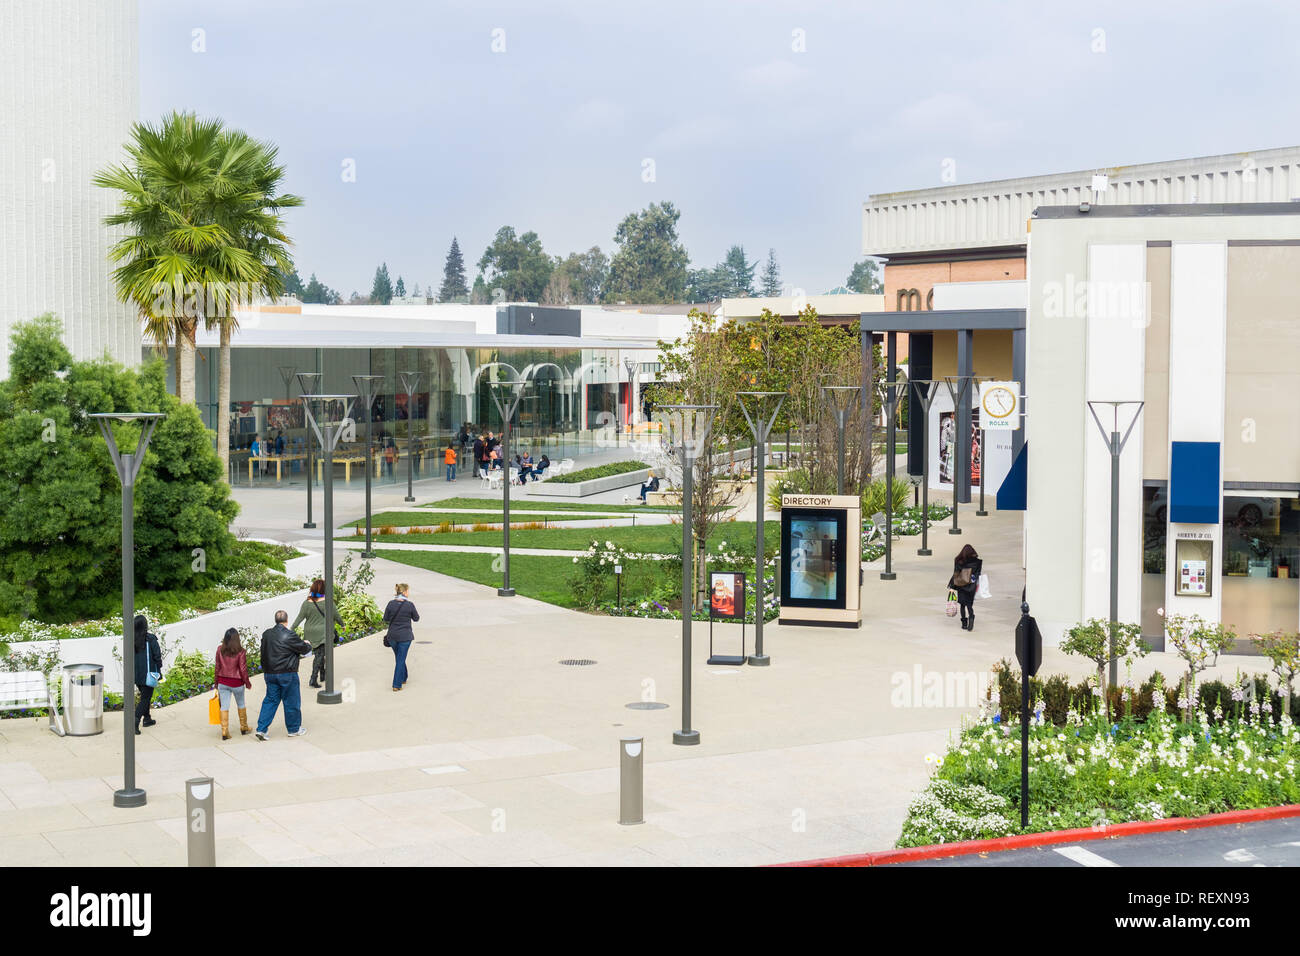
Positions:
{"x": 1261, "y": 551}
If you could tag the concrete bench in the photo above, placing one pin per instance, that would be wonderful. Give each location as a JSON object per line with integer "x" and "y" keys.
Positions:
{"x": 24, "y": 690}
{"x": 668, "y": 497}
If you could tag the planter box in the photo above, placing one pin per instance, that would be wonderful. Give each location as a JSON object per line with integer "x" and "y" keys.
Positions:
{"x": 580, "y": 489}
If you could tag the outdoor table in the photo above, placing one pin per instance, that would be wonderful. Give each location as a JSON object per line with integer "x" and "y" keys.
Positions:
{"x": 347, "y": 461}
{"x": 278, "y": 459}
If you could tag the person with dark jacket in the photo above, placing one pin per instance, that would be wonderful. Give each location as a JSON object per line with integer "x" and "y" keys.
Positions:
{"x": 148, "y": 659}
{"x": 281, "y": 651}
{"x": 398, "y": 616}
{"x": 230, "y": 670}
{"x": 312, "y": 617}
{"x": 480, "y": 455}
{"x": 966, "y": 584}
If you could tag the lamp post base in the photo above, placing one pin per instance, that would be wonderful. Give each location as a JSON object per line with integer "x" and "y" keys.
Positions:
{"x": 129, "y": 798}
{"x": 368, "y": 554}
{"x": 686, "y": 738}
{"x": 329, "y": 697}
{"x": 981, "y": 514}
{"x": 888, "y": 576}
{"x": 309, "y": 524}
{"x": 924, "y": 552}
{"x": 759, "y": 660}
{"x": 408, "y": 498}
{"x": 954, "y": 530}
{"x": 505, "y": 592}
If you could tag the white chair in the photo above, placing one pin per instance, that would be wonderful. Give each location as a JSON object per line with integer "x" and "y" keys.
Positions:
{"x": 494, "y": 480}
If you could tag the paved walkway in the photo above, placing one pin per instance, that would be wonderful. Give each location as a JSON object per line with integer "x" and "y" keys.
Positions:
{"x": 496, "y": 753}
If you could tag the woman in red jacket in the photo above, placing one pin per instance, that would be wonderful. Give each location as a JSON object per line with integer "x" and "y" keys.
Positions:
{"x": 231, "y": 671}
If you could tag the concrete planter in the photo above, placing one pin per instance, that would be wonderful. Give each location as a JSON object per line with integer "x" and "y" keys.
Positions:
{"x": 581, "y": 489}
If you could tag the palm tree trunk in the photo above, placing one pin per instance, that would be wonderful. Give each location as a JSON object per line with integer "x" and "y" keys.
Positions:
{"x": 223, "y": 401}
{"x": 185, "y": 364}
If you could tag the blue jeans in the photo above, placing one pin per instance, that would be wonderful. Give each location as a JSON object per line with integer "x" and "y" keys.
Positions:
{"x": 451, "y": 472}
{"x": 400, "y": 649}
{"x": 281, "y": 687}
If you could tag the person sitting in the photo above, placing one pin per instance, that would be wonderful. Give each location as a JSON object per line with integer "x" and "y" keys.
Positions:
{"x": 525, "y": 466}
{"x": 540, "y": 471}
{"x": 652, "y": 484}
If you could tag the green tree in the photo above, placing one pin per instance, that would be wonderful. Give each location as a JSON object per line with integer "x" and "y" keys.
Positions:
{"x": 739, "y": 273}
{"x": 864, "y": 277}
{"x": 706, "y": 285}
{"x": 293, "y": 284}
{"x": 517, "y": 265}
{"x": 650, "y": 263}
{"x": 381, "y": 290}
{"x": 453, "y": 287}
{"x": 60, "y": 523}
{"x": 400, "y": 289}
{"x": 771, "y": 275}
{"x": 577, "y": 279}
{"x": 317, "y": 292}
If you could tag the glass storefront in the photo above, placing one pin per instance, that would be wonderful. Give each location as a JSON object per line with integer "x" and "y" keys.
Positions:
{"x": 576, "y": 400}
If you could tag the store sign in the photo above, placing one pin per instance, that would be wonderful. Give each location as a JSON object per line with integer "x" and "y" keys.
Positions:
{"x": 1000, "y": 406}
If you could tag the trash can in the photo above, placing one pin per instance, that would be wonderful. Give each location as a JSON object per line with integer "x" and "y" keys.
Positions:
{"x": 83, "y": 699}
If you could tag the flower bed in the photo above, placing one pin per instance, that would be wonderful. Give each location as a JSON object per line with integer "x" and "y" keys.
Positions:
{"x": 1090, "y": 770}
{"x": 599, "y": 471}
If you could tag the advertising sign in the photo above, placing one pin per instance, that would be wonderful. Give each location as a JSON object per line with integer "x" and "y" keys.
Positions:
{"x": 727, "y": 595}
{"x": 1000, "y": 406}
{"x": 948, "y": 447}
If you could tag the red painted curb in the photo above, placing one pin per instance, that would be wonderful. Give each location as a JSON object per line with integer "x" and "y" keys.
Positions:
{"x": 1020, "y": 841}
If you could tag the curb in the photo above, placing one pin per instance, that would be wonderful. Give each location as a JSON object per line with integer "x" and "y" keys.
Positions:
{"x": 1022, "y": 841}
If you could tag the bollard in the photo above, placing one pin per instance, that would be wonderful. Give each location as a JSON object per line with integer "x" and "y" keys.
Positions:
{"x": 631, "y": 781}
{"x": 201, "y": 841}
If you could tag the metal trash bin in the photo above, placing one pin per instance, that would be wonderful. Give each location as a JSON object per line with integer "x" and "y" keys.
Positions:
{"x": 83, "y": 699}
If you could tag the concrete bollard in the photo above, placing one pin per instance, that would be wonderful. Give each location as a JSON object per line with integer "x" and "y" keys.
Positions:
{"x": 631, "y": 781}
{"x": 201, "y": 840}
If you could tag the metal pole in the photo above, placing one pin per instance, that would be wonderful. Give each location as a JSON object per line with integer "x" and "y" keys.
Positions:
{"x": 631, "y": 781}
{"x": 200, "y": 837}
{"x": 506, "y": 590}
{"x": 309, "y": 523}
{"x": 686, "y": 736}
{"x": 924, "y": 549}
{"x": 369, "y": 551}
{"x": 888, "y": 574}
{"x": 1024, "y": 725}
{"x": 328, "y": 695}
{"x": 984, "y": 463}
{"x": 1115, "y": 447}
{"x": 758, "y": 658}
{"x": 839, "y": 471}
{"x": 130, "y": 795}
{"x": 410, "y": 447}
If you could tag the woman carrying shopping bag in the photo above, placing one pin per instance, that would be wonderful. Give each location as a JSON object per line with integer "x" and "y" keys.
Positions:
{"x": 398, "y": 616}
{"x": 231, "y": 670}
{"x": 966, "y": 569}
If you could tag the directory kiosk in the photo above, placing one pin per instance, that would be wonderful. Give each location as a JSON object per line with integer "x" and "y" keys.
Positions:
{"x": 821, "y": 560}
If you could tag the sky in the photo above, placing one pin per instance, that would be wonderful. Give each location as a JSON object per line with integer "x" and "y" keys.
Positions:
{"x": 766, "y": 123}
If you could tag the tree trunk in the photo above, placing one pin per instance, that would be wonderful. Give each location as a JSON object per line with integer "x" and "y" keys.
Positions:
{"x": 185, "y": 364}
{"x": 223, "y": 402}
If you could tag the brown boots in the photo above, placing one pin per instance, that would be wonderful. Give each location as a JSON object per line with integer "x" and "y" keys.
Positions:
{"x": 243, "y": 722}
{"x": 225, "y": 725}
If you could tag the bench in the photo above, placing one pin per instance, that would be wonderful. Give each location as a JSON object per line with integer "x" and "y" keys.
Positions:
{"x": 23, "y": 690}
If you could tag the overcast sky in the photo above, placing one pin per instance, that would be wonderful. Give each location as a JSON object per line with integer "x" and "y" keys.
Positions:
{"x": 755, "y": 141}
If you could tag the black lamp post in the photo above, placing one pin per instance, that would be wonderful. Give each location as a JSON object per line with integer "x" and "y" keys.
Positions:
{"x": 328, "y": 434}
{"x": 958, "y": 388}
{"x": 842, "y": 398}
{"x": 128, "y": 465}
{"x": 506, "y": 395}
{"x": 308, "y": 383}
{"x": 760, "y": 425}
{"x": 889, "y": 399}
{"x": 367, "y": 388}
{"x": 925, "y": 391}
{"x": 690, "y": 426}
{"x": 410, "y": 381}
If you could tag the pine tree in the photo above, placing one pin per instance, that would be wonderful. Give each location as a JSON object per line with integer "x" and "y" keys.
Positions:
{"x": 381, "y": 292}
{"x": 416, "y": 291}
{"x": 454, "y": 286}
{"x": 771, "y": 275}
{"x": 400, "y": 289}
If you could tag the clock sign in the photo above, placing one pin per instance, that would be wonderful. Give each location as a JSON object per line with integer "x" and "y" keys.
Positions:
{"x": 1000, "y": 406}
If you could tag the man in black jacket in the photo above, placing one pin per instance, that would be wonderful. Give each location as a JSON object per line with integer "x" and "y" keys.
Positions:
{"x": 281, "y": 651}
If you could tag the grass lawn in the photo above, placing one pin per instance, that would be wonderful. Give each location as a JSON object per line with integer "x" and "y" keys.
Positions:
{"x": 528, "y": 504}
{"x": 401, "y": 519}
{"x": 541, "y": 577}
{"x": 658, "y": 539}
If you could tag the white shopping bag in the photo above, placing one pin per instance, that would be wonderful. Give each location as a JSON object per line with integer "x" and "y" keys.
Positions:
{"x": 982, "y": 589}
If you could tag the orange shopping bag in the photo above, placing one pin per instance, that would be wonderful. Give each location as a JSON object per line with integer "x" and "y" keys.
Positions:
{"x": 214, "y": 710}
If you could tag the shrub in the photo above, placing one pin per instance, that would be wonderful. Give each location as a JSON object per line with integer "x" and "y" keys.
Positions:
{"x": 875, "y": 495}
{"x": 599, "y": 471}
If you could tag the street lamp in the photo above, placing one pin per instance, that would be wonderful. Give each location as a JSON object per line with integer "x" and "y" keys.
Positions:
{"x": 367, "y": 389}
{"x": 632, "y": 365}
{"x": 690, "y": 424}
{"x": 843, "y": 398}
{"x": 1116, "y": 446}
{"x": 506, "y": 395}
{"x": 328, "y": 433}
{"x": 410, "y": 380}
{"x": 957, "y": 392}
{"x": 982, "y": 512}
{"x": 890, "y": 397}
{"x": 287, "y": 372}
{"x": 760, "y": 425}
{"x": 308, "y": 383}
{"x": 925, "y": 396}
{"x": 128, "y": 467}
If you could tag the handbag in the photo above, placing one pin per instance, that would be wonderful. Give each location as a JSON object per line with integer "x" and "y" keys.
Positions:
{"x": 950, "y": 606}
{"x": 151, "y": 677}
{"x": 214, "y": 709}
{"x": 960, "y": 578}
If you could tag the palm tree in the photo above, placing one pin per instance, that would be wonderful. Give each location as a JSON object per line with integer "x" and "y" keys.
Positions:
{"x": 204, "y": 236}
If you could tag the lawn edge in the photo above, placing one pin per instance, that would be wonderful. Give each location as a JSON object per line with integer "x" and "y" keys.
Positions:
{"x": 1020, "y": 841}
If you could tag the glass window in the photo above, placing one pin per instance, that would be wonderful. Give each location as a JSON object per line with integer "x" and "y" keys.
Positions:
{"x": 1261, "y": 549}
{"x": 1155, "y": 529}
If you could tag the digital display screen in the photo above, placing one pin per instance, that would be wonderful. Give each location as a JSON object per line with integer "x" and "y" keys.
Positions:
{"x": 813, "y": 558}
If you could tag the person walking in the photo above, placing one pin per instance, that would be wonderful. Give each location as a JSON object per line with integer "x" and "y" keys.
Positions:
{"x": 282, "y": 649}
{"x": 398, "y": 616}
{"x": 449, "y": 459}
{"x": 312, "y": 618}
{"x": 966, "y": 568}
{"x": 148, "y": 670}
{"x": 231, "y": 671}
